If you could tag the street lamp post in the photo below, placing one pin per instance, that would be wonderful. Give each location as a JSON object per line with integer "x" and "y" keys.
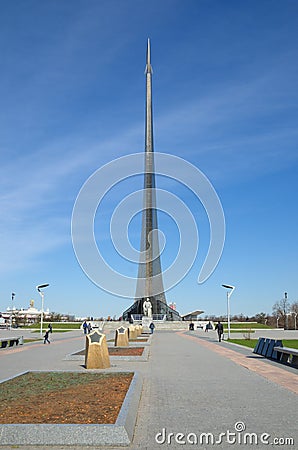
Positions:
{"x": 286, "y": 325}
{"x": 295, "y": 319}
{"x": 229, "y": 293}
{"x": 287, "y": 319}
{"x": 10, "y": 318}
{"x": 39, "y": 287}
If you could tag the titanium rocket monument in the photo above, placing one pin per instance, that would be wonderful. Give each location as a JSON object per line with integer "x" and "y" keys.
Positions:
{"x": 150, "y": 282}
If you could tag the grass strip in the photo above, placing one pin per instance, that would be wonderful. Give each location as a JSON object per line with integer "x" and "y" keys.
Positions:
{"x": 247, "y": 326}
{"x": 292, "y": 343}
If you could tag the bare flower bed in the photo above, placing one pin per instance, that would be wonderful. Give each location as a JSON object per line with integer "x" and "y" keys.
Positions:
{"x": 126, "y": 351}
{"x": 63, "y": 397}
{"x": 120, "y": 351}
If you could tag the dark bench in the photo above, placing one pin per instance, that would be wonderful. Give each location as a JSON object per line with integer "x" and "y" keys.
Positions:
{"x": 11, "y": 341}
{"x": 285, "y": 353}
{"x": 266, "y": 347}
{"x": 274, "y": 349}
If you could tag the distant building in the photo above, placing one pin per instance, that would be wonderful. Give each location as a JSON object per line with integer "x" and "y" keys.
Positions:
{"x": 192, "y": 315}
{"x": 29, "y": 315}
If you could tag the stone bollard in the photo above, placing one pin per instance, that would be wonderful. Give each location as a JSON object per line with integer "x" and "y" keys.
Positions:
{"x": 132, "y": 332}
{"x": 121, "y": 337}
{"x": 96, "y": 352}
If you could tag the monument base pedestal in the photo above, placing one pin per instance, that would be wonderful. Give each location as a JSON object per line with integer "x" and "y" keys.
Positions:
{"x": 145, "y": 324}
{"x": 158, "y": 308}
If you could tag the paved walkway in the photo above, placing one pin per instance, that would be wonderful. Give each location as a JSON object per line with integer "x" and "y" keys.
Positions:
{"x": 192, "y": 385}
{"x": 39, "y": 356}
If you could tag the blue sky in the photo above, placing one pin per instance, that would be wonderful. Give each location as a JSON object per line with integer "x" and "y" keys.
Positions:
{"x": 225, "y": 99}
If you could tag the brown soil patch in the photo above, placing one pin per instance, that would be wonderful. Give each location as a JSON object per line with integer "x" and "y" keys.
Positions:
{"x": 63, "y": 397}
{"x": 120, "y": 351}
{"x": 127, "y": 351}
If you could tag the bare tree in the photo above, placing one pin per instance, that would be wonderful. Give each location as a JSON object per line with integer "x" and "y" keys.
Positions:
{"x": 294, "y": 307}
{"x": 261, "y": 317}
{"x": 282, "y": 308}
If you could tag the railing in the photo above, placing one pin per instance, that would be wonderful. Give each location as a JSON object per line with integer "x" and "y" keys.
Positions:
{"x": 137, "y": 317}
{"x": 159, "y": 317}
{"x": 155, "y": 317}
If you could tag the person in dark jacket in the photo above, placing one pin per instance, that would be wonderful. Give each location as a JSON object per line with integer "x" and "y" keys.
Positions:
{"x": 152, "y": 326}
{"x": 46, "y": 337}
{"x": 219, "y": 329}
{"x": 85, "y": 327}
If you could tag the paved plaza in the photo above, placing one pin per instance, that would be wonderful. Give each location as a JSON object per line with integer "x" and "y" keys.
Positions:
{"x": 192, "y": 385}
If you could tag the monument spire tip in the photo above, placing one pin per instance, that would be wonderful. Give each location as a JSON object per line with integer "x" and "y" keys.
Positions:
{"x": 148, "y": 62}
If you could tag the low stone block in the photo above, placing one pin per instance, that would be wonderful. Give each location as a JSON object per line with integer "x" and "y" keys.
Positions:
{"x": 139, "y": 330}
{"x": 96, "y": 353}
{"x": 121, "y": 337}
{"x": 132, "y": 332}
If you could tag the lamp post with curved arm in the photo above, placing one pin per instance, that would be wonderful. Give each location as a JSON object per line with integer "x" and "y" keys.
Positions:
{"x": 229, "y": 293}
{"x": 11, "y": 311}
{"x": 39, "y": 287}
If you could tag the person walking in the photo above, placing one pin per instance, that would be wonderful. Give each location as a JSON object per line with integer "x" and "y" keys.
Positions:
{"x": 50, "y": 328}
{"x": 85, "y": 327}
{"x": 151, "y": 326}
{"x": 46, "y": 337}
{"x": 208, "y": 327}
{"x": 219, "y": 329}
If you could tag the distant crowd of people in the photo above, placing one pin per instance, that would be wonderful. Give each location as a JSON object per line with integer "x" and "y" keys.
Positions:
{"x": 219, "y": 328}
{"x": 87, "y": 328}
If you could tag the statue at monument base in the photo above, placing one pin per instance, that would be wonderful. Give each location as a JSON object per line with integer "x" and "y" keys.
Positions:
{"x": 147, "y": 308}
